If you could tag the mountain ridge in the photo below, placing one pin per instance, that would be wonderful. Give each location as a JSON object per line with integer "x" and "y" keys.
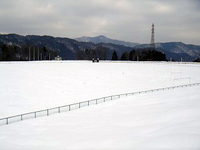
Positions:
{"x": 104, "y": 39}
{"x": 176, "y": 50}
{"x": 68, "y": 48}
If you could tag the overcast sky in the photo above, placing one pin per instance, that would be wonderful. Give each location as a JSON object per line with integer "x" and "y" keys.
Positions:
{"x": 128, "y": 20}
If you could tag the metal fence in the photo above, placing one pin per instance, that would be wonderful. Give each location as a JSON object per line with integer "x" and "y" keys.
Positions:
{"x": 70, "y": 107}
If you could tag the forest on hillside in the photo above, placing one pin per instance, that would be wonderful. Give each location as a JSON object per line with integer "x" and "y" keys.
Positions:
{"x": 25, "y": 53}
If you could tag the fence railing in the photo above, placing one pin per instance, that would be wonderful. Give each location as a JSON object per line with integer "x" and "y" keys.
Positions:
{"x": 70, "y": 107}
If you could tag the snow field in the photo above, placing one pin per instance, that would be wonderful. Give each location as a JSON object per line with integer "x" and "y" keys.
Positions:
{"x": 32, "y": 86}
{"x": 74, "y": 106}
{"x": 159, "y": 120}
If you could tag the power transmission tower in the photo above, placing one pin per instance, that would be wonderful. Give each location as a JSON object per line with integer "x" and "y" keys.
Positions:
{"x": 152, "y": 44}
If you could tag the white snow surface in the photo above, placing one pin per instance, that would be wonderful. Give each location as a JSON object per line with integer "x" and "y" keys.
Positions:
{"x": 167, "y": 119}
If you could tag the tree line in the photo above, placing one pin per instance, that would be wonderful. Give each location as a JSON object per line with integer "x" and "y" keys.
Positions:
{"x": 89, "y": 54}
{"x": 198, "y": 58}
{"x": 31, "y": 52}
{"x": 140, "y": 55}
{"x": 134, "y": 55}
{"x": 25, "y": 53}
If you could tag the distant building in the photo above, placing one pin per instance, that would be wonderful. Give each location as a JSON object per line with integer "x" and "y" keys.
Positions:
{"x": 58, "y": 58}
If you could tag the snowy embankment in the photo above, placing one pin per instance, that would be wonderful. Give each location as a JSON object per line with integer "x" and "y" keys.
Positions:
{"x": 160, "y": 120}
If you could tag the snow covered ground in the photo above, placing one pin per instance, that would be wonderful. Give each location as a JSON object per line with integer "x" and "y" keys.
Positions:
{"x": 159, "y": 120}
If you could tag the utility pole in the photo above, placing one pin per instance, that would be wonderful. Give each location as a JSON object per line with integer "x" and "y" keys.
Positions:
{"x": 38, "y": 54}
{"x": 29, "y": 54}
{"x": 33, "y": 53}
{"x": 152, "y": 44}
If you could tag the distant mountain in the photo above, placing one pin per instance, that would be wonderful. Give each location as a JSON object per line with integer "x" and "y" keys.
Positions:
{"x": 68, "y": 48}
{"x": 176, "y": 50}
{"x": 173, "y": 50}
{"x": 104, "y": 39}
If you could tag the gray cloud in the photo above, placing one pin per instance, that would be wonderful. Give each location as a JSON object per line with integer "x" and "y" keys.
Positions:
{"x": 130, "y": 20}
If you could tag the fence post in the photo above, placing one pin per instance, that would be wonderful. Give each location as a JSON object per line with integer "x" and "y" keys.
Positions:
{"x": 69, "y": 107}
{"x": 6, "y": 120}
{"x": 21, "y": 118}
{"x": 88, "y": 103}
{"x": 96, "y": 101}
{"x": 47, "y": 112}
{"x": 35, "y": 114}
{"x": 79, "y": 105}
